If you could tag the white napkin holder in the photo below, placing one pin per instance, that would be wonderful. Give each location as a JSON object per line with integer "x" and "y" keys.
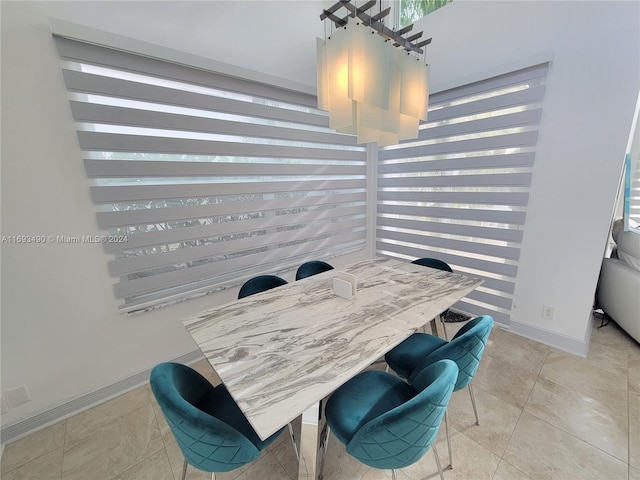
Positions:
{"x": 345, "y": 285}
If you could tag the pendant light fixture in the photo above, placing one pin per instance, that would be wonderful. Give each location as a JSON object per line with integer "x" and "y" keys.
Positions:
{"x": 370, "y": 78}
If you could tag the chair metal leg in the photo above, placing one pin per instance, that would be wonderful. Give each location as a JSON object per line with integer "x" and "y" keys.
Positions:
{"x": 324, "y": 453}
{"x": 184, "y": 469}
{"x": 393, "y": 474}
{"x": 435, "y": 454}
{"x": 473, "y": 403}
{"x": 293, "y": 442}
{"x": 444, "y": 328}
{"x": 446, "y": 425}
{"x": 213, "y": 475}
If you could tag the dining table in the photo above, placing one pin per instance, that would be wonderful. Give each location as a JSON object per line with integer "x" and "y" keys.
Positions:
{"x": 282, "y": 352}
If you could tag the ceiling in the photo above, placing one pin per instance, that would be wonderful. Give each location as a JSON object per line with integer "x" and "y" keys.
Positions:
{"x": 268, "y": 36}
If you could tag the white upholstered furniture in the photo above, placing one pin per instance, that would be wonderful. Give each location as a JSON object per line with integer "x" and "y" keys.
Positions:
{"x": 619, "y": 288}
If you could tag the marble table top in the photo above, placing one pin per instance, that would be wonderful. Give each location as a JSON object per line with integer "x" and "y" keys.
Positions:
{"x": 283, "y": 350}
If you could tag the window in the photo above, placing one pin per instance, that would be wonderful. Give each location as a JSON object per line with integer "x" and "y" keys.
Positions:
{"x": 460, "y": 191}
{"x": 204, "y": 180}
{"x": 413, "y": 10}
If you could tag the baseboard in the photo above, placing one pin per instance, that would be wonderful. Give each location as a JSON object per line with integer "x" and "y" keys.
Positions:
{"x": 553, "y": 339}
{"x": 14, "y": 431}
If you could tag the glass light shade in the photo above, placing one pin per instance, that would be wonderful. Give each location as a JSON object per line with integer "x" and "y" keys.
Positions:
{"x": 414, "y": 87}
{"x": 321, "y": 74}
{"x": 386, "y": 139}
{"x": 341, "y": 107}
{"x": 367, "y": 131}
{"x": 390, "y": 119}
{"x": 368, "y": 67}
{"x": 370, "y": 116}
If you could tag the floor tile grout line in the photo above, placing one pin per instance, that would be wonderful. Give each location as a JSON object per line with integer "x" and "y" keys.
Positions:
{"x": 64, "y": 447}
{"x": 42, "y": 454}
{"x": 512, "y": 466}
{"x": 520, "y": 416}
{"x": 474, "y": 441}
{"x": 562, "y": 429}
{"x": 515, "y": 424}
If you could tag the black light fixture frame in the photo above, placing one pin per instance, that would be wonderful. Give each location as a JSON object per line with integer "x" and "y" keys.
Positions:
{"x": 374, "y": 22}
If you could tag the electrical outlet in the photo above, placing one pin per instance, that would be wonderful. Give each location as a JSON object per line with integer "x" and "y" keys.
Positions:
{"x": 17, "y": 396}
{"x": 547, "y": 312}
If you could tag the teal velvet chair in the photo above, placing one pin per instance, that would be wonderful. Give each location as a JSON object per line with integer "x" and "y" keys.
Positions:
{"x": 386, "y": 423}
{"x": 260, "y": 284}
{"x": 440, "y": 265}
{"x": 466, "y": 348}
{"x": 209, "y": 427}
{"x": 313, "y": 267}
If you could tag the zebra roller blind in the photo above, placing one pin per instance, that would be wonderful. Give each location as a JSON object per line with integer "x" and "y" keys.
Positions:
{"x": 460, "y": 191}
{"x": 634, "y": 192}
{"x": 207, "y": 179}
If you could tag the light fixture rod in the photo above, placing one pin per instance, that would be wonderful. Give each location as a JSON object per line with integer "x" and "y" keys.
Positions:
{"x": 423, "y": 43}
{"x": 332, "y": 9}
{"x": 368, "y": 5}
{"x": 382, "y": 14}
{"x": 340, "y": 22}
{"x": 404, "y": 30}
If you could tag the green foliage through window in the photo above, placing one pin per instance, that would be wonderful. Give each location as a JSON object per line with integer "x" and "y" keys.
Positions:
{"x": 412, "y": 10}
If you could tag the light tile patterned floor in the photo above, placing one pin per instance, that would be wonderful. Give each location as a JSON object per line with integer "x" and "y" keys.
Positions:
{"x": 544, "y": 414}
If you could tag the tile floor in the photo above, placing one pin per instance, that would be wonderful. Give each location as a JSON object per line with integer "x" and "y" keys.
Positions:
{"x": 544, "y": 414}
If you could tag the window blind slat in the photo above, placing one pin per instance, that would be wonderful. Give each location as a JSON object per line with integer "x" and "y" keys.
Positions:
{"x": 505, "y": 286}
{"x": 525, "y": 76}
{"x": 473, "y": 231}
{"x": 475, "y": 214}
{"x": 523, "y": 97}
{"x": 149, "y": 168}
{"x": 466, "y": 264}
{"x": 182, "y": 234}
{"x": 519, "y": 119}
{"x": 113, "y": 142}
{"x": 89, "y": 83}
{"x": 477, "y": 310}
{"x": 447, "y": 180}
{"x": 107, "y": 194}
{"x": 477, "y": 198}
{"x": 524, "y": 139}
{"x": 485, "y": 297}
{"x": 112, "y": 115}
{"x": 478, "y": 248}
{"x": 159, "y": 215}
{"x": 240, "y": 269}
{"x": 254, "y": 260}
{"x": 98, "y": 55}
{"x": 147, "y": 262}
{"x": 462, "y": 163}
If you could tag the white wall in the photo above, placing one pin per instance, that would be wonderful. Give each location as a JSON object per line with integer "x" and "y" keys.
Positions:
{"x": 590, "y": 98}
{"x": 61, "y": 334}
